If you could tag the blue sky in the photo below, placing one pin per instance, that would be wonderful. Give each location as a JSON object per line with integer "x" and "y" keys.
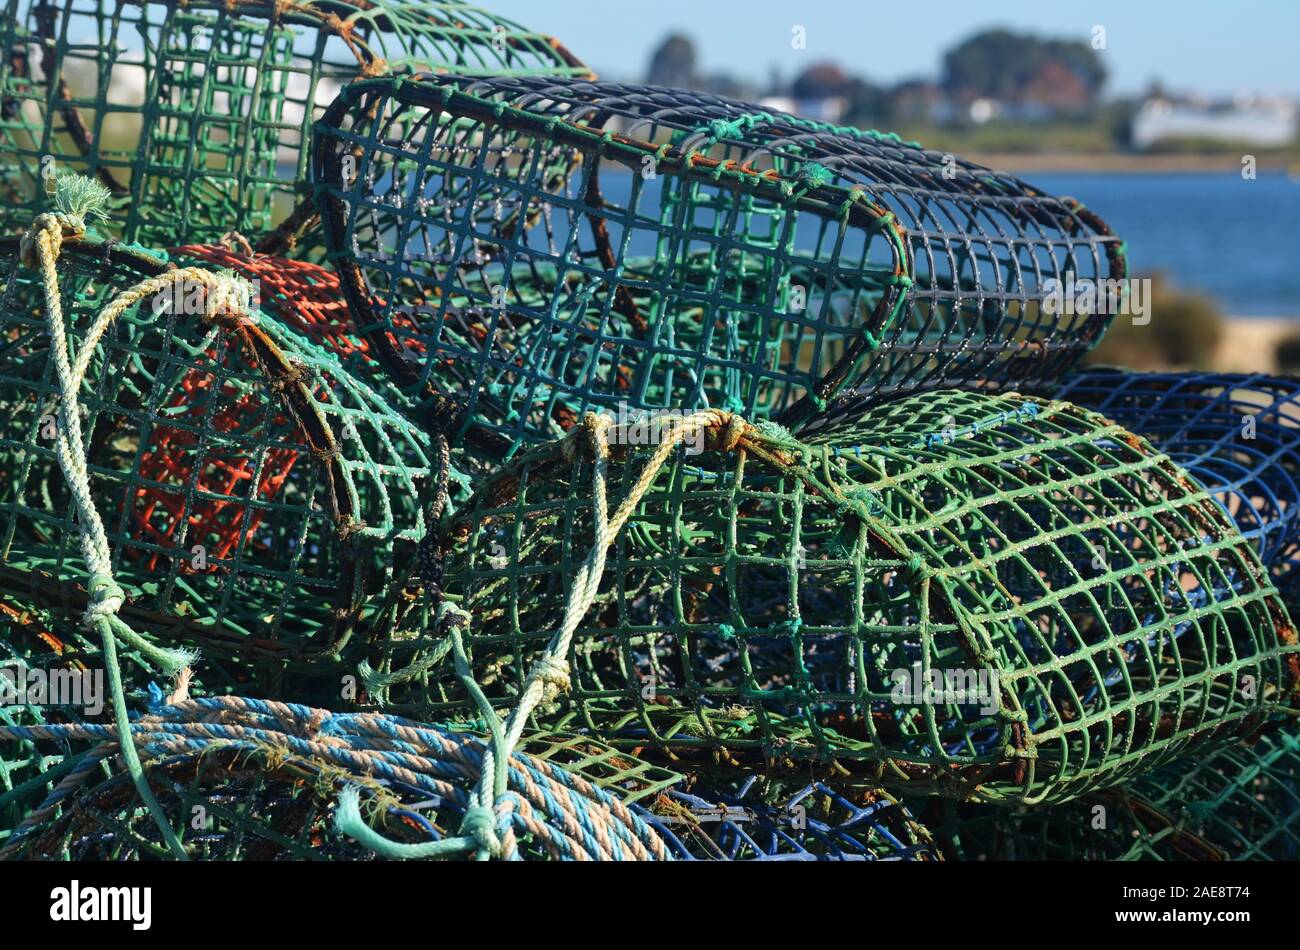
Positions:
{"x": 1219, "y": 48}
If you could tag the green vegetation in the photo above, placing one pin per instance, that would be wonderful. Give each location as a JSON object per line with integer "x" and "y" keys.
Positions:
{"x": 1288, "y": 354}
{"x": 1183, "y": 332}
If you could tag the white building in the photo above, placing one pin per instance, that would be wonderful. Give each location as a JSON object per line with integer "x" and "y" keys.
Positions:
{"x": 1251, "y": 120}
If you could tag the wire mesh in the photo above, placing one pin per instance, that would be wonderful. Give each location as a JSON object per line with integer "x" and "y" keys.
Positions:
{"x": 196, "y": 114}
{"x": 304, "y": 296}
{"x": 814, "y": 823}
{"x": 983, "y": 596}
{"x": 527, "y": 248}
{"x": 255, "y": 495}
{"x": 1235, "y": 432}
{"x": 1240, "y": 804}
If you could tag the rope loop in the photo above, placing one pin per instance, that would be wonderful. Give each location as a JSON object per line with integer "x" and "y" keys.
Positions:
{"x": 480, "y": 824}
{"x": 106, "y": 598}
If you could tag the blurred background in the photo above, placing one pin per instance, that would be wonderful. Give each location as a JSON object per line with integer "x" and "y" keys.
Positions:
{"x": 1177, "y": 122}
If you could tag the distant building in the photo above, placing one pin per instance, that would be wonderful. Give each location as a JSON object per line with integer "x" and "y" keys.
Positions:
{"x": 919, "y": 100}
{"x": 1250, "y": 120}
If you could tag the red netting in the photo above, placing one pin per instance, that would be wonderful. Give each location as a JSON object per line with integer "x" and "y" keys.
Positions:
{"x": 219, "y": 516}
{"x": 305, "y": 296}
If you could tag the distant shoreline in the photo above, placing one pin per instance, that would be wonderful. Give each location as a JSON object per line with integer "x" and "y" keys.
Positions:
{"x": 1249, "y": 344}
{"x": 1073, "y": 162}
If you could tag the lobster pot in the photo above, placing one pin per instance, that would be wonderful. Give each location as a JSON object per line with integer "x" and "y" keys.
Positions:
{"x": 254, "y": 495}
{"x": 196, "y": 114}
{"x": 1237, "y": 433}
{"x": 538, "y": 246}
{"x": 1241, "y": 804}
{"x": 266, "y": 780}
{"x": 990, "y": 597}
{"x": 813, "y": 823}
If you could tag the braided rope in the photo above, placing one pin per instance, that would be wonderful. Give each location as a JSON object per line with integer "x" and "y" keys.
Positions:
{"x": 365, "y": 753}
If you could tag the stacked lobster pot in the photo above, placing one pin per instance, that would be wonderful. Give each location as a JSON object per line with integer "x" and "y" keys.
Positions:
{"x": 457, "y": 456}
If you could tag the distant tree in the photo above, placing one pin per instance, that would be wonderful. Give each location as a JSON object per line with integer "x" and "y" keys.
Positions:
{"x": 820, "y": 81}
{"x": 1288, "y": 355}
{"x": 999, "y": 64}
{"x": 673, "y": 63}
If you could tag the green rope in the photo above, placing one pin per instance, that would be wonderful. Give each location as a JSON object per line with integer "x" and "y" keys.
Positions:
{"x": 720, "y": 129}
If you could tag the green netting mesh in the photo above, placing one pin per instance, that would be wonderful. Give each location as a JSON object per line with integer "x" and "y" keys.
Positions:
{"x": 196, "y": 113}
{"x": 253, "y": 495}
{"x": 29, "y": 642}
{"x": 991, "y": 597}
{"x": 521, "y": 249}
{"x": 1240, "y": 804}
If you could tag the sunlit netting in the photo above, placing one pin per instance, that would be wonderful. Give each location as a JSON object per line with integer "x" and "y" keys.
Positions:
{"x": 196, "y": 114}
{"x": 1240, "y": 804}
{"x": 249, "y": 779}
{"x": 1238, "y": 433}
{"x": 253, "y": 495}
{"x": 984, "y": 596}
{"x": 540, "y": 246}
{"x": 814, "y": 823}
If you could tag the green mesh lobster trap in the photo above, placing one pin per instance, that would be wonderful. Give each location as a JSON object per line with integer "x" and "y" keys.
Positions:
{"x": 519, "y": 250}
{"x": 1241, "y": 804}
{"x": 196, "y": 114}
{"x": 30, "y": 642}
{"x": 171, "y": 454}
{"x": 989, "y": 597}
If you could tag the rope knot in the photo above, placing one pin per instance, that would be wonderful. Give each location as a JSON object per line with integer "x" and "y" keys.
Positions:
{"x": 55, "y": 227}
{"x": 553, "y": 672}
{"x": 481, "y": 825}
{"x": 106, "y": 598}
{"x": 596, "y": 424}
{"x": 726, "y": 433}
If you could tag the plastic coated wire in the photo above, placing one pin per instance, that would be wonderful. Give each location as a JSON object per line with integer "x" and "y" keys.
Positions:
{"x": 520, "y": 250}
{"x": 1240, "y": 804}
{"x": 254, "y": 495}
{"x": 815, "y": 823}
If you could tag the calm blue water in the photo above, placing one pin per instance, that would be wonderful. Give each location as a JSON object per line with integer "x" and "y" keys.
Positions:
{"x": 1238, "y": 241}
